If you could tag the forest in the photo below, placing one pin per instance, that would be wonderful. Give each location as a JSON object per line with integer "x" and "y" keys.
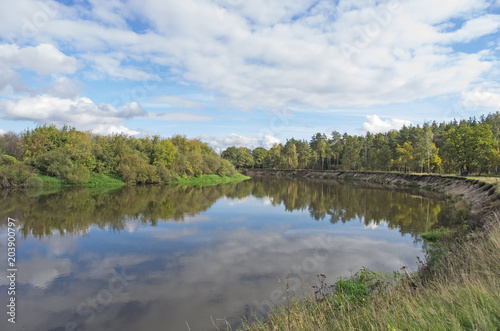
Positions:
{"x": 75, "y": 156}
{"x": 456, "y": 147}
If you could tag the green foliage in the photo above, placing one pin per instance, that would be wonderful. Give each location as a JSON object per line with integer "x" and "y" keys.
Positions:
{"x": 55, "y": 163}
{"x": 16, "y": 174}
{"x": 226, "y": 169}
{"x": 165, "y": 174}
{"x": 447, "y": 147}
{"x": 406, "y": 155}
{"x": 10, "y": 144}
{"x": 134, "y": 169}
{"x": 240, "y": 157}
{"x": 471, "y": 147}
{"x": 104, "y": 180}
{"x": 7, "y": 160}
{"x": 353, "y": 289}
{"x": 436, "y": 235}
{"x": 78, "y": 174}
{"x": 75, "y": 156}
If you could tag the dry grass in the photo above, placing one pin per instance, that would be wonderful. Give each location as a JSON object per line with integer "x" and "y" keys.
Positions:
{"x": 461, "y": 293}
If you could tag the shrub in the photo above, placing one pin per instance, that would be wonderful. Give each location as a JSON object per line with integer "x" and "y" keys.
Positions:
{"x": 182, "y": 166}
{"x": 7, "y": 160}
{"x": 135, "y": 169}
{"x": 212, "y": 163}
{"x": 15, "y": 174}
{"x": 78, "y": 174}
{"x": 55, "y": 163}
{"x": 226, "y": 168}
{"x": 34, "y": 182}
{"x": 164, "y": 174}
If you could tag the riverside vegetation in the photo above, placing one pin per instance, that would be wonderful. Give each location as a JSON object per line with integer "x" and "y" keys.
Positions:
{"x": 452, "y": 147}
{"x": 456, "y": 288}
{"x": 47, "y": 157}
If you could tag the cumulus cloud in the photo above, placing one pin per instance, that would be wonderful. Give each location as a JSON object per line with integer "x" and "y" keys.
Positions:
{"x": 259, "y": 54}
{"x": 133, "y": 109}
{"x": 221, "y": 143}
{"x": 375, "y": 124}
{"x": 44, "y": 59}
{"x": 49, "y": 109}
{"x": 64, "y": 87}
{"x": 270, "y": 54}
{"x": 481, "y": 97}
{"x": 83, "y": 113}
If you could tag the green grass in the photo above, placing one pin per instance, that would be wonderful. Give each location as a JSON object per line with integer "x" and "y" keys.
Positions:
{"x": 462, "y": 293}
{"x": 210, "y": 180}
{"x": 96, "y": 180}
{"x": 51, "y": 182}
{"x": 114, "y": 181}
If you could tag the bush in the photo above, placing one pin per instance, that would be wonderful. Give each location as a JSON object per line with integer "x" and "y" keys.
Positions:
{"x": 165, "y": 175}
{"x": 15, "y": 175}
{"x": 182, "y": 166}
{"x": 212, "y": 162}
{"x": 134, "y": 169}
{"x": 7, "y": 160}
{"x": 226, "y": 168}
{"x": 78, "y": 174}
{"x": 54, "y": 163}
{"x": 34, "y": 182}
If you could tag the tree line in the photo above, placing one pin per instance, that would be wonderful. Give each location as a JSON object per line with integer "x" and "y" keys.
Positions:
{"x": 73, "y": 156}
{"x": 455, "y": 147}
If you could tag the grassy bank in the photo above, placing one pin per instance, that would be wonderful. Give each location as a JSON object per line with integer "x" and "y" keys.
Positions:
{"x": 458, "y": 289}
{"x": 111, "y": 181}
{"x": 210, "y": 180}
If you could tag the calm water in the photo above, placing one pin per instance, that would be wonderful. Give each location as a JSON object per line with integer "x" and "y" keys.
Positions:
{"x": 162, "y": 258}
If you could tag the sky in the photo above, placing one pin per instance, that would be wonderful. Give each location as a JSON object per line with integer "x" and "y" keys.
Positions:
{"x": 246, "y": 73}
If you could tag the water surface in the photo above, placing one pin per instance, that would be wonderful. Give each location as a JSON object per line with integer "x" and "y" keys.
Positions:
{"x": 164, "y": 257}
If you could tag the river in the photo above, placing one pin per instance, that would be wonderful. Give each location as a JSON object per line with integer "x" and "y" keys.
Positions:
{"x": 186, "y": 258}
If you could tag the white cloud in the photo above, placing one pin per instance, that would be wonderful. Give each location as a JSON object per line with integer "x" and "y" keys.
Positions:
{"x": 64, "y": 87}
{"x": 44, "y": 59}
{"x": 49, "y": 109}
{"x": 110, "y": 65}
{"x": 476, "y": 28}
{"x": 375, "y": 124}
{"x": 487, "y": 98}
{"x": 2, "y": 132}
{"x": 111, "y": 129}
{"x": 132, "y": 110}
{"x": 221, "y": 143}
{"x": 84, "y": 114}
{"x": 269, "y": 53}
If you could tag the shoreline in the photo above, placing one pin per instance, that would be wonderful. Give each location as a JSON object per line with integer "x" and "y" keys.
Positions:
{"x": 456, "y": 285}
{"x": 481, "y": 195}
{"x": 105, "y": 181}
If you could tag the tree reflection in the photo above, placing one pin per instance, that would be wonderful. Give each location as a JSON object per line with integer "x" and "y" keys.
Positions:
{"x": 74, "y": 211}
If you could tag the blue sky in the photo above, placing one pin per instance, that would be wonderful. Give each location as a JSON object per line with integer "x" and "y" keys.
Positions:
{"x": 239, "y": 72}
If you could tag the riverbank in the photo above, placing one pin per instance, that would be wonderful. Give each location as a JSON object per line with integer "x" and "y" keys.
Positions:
{"x": 482, "y": 197}
{"x": 114, "y": 181}
{"x": 458, "y": 287}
